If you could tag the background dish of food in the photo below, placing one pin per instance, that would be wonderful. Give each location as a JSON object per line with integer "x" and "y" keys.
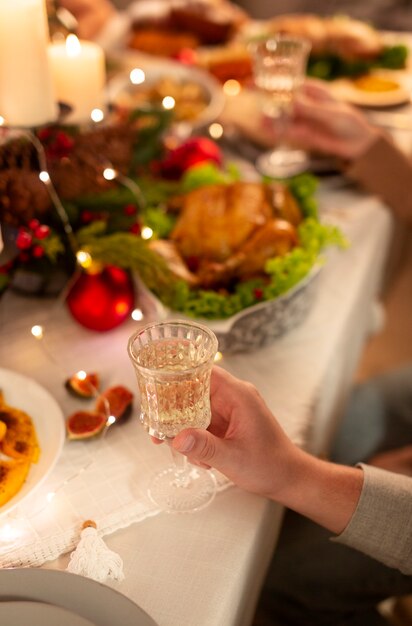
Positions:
{"x": 198, "y": 96}
{"x": 377, "y": 89}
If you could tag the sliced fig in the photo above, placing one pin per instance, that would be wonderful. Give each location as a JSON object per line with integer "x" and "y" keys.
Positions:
{"x": 85, "y": 424}
{"x": 116, "y": 401}
{"x": 83, "y": 385}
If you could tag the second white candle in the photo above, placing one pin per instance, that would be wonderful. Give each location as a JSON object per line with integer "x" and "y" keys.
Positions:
{"x": 78, "y": 71}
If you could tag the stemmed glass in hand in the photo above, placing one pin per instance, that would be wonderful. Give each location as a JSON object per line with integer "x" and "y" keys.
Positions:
{"x": 279, "y": 67}
{"x": 173, "y": 363}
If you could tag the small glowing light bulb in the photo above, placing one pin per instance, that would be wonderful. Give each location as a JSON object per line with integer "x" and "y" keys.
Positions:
{"x": 111, "y": 420}
{"x": 168, "y": 103}
{"x": 109, "y": 173}
{"x": 216, "y": 130}
{"x": 218, "y": 356}
{"x": 44, "y": 176}
{"x": 83, "y": 258}
{"x": 232, "y": 87}
{"x": 2, "y": 120}
{"x": 37, "y": 331}
{"x": 137, "y": 76}
{"x": 137, "y": 315}
{"x": 81, "y": 375}
{"x": 97, "y": 115}
{"x": 146, "y": 232}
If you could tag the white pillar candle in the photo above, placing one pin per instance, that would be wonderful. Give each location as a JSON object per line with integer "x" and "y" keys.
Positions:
{"x": 78, "y": 71}
{"x": 26, "y": 93}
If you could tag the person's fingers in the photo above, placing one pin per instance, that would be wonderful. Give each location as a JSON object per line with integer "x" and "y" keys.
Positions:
{"x": 200, "y": 446}
{"x": 317, "y": 90}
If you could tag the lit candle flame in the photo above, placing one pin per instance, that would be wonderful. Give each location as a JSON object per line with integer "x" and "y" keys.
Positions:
{"x": 73, "y": 46}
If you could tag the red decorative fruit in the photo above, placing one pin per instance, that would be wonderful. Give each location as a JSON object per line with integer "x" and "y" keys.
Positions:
{"x": 103, "y": 300}
{"x": 116, "y": 401}
{"x": 83, "y": 385}
{"x": 191, "y": 152}
{"x": 85, "y": 424}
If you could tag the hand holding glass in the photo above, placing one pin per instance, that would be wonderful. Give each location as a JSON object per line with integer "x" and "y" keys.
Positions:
{"x": 173, "y": 363}
{"x": 279, "y": 67}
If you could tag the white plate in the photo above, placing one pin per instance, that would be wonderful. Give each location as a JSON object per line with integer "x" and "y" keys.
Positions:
{"x": 82, "y": 596}
{"x": 38, "y": 614}
{"x": 25, "y": 394}
{"x": 346, "y": 89}
{"x": 156, "y": 69}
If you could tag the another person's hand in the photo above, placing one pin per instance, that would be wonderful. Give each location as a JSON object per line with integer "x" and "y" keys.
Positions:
{"x": 92, "y": 15}
{"x": 326, "y": 125}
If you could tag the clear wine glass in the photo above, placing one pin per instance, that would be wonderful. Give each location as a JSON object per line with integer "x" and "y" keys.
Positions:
{"x": 173, "y": 363}
{"x": 279, "y": 67}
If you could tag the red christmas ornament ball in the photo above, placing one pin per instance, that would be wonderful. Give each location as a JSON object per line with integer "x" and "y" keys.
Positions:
{"x": 101, "y": 301}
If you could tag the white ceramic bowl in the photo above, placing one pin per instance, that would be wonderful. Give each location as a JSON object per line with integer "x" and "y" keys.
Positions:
{"x": 120, "y": 86}
{"x": 256, "y": 326}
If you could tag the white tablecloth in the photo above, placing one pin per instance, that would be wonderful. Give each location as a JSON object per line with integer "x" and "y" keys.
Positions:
{"x": 203, "y": 569}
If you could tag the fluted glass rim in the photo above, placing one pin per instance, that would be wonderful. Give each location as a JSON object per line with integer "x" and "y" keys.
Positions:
{"x": 209, "y": 358}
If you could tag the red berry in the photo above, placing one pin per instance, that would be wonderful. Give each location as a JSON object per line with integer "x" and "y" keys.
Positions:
{"x": 135, "y": 228}
{"x": 130, "y": 209}
{"x": 258, "y": 293}
{"x": 38, "y": 252}
{"x": 33, "y": 224}
{"x": 86, "y": 217}
{"x": 42, "y": 231}
{"x": 23, "y": 240}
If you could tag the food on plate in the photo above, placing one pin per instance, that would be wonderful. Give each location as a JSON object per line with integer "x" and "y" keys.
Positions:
{"x": 375, "y": 84}
{"x": 185, "y": 25}
{"x": 12, "y": 477}
{"x": 85, "y": 424}
{"x": 190, "y": 97}
{"x": 116, "y": 401}
{"x": 18, "y": 442}
{"x": 380, "y": 88}
{"x": 341, "y": 46}
{"x": 83, "y": 385}
{"x": 227, "y": 232}
{"x": 20, "y": 439}
{"x": 226, "y": 62}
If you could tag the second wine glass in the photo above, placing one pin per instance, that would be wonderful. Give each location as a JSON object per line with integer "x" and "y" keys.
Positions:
{"x": 173, "y": 363}
{"x": 279, "y": 67}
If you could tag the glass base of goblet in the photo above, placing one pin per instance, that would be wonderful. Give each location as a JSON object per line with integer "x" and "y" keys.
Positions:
{"x": 177, "y": 492}
{"x": 282, "y": 163}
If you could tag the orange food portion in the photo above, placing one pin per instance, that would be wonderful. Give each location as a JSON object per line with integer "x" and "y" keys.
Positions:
{"x": 375, "y": 84}
{"x": 18, "y": 441}
{"x": 12, "y": 477}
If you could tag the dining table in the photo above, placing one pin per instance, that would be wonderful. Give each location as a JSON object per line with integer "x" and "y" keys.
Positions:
{"x": 204, "y": 568}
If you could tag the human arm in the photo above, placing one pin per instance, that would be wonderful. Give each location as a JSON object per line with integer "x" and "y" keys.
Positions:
{"x": 369, "y": 156}
{"x": 246, "y": 443}
{"x": 92, "y": 15}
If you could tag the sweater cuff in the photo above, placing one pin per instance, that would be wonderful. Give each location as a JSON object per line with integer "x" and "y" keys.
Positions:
{"x": 381, "y": 525}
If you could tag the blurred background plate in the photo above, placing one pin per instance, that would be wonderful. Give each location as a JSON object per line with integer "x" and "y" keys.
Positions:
{"x": 376, "y": 90}
{"x": 198, "y": 96}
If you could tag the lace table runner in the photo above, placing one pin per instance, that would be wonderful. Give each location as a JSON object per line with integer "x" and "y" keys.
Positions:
{"x": 103, "y": 480}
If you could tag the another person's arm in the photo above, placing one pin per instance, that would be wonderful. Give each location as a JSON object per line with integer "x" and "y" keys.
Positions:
{"x": 246, "y": 443}
{"x": 324, "y": 124}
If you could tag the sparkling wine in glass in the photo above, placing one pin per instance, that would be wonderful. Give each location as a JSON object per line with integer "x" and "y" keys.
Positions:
{"x": 279, "y": 67}
{"x": 173, "y": 363}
